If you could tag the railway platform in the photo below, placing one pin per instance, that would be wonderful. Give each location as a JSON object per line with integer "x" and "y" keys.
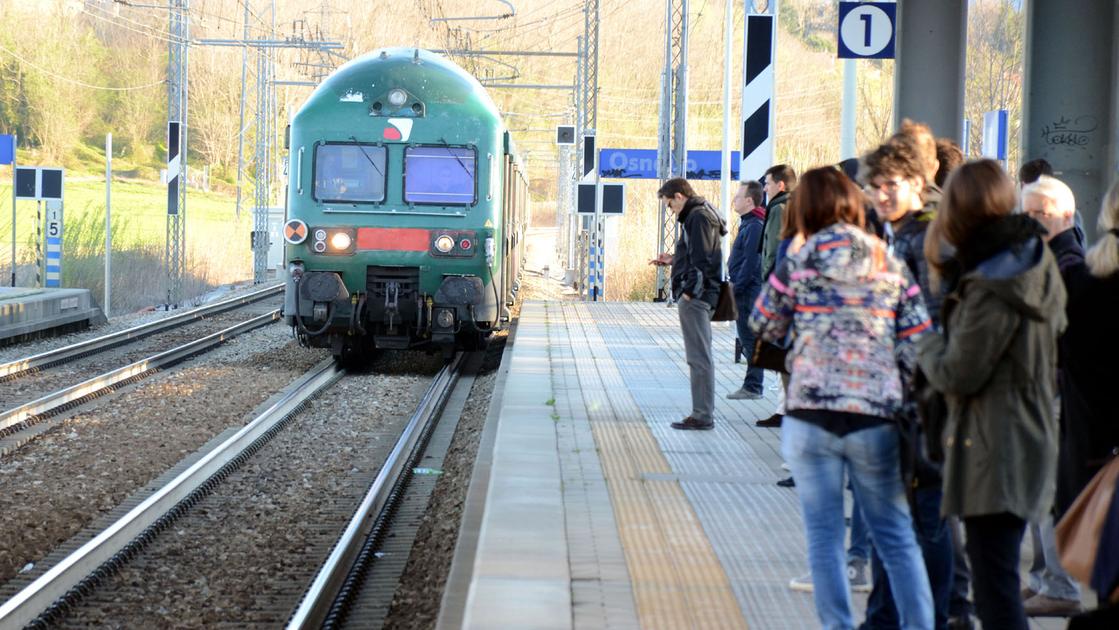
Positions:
{"x": 28, "y": 311}
{"x": 589, "y": 511}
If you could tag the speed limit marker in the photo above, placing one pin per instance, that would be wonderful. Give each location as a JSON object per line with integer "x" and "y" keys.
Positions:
{"x": 866, "y": 30}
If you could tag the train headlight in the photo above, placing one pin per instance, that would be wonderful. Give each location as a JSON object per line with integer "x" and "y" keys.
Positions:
{"x": 340, "y": 242}
{"x": 444, "y": 244}
{"x": 397, "y": 97}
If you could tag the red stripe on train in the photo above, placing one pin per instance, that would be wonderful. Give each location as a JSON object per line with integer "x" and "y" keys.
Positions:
{"x": 393, "y": 239}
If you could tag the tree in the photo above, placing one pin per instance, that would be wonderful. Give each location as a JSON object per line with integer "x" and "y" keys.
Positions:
{"x": 995, "y": 51}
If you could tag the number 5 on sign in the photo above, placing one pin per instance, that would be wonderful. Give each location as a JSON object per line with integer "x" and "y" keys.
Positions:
{"x": 866, "y": 30}
{"x": 53, "y": 238}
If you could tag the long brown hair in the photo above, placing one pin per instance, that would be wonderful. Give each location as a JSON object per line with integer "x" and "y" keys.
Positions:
{"x": 789, "y": 224}
{"x": 824, "y": 197}
{"x": 975, "y": 195}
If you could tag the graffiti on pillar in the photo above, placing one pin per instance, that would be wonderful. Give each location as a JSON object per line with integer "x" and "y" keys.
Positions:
{"x": 1068, "y": 132}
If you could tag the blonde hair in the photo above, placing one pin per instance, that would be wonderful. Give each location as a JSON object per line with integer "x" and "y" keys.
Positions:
{"x": 1103, "y": 258}
{"x": 1055, "y": 191}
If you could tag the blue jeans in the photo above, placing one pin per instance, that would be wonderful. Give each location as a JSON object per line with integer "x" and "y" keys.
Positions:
{"x": 745, "y": 303}
{"x": 936, "y": 546}
{"x": 859, "y": 549}
{"x": 1047, "y": 576}
{"x": 818, "y": 459}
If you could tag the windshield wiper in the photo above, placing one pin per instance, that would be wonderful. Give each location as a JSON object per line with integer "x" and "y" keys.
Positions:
{"x": 457, "y": 159}
{"x": 362, "y": 149}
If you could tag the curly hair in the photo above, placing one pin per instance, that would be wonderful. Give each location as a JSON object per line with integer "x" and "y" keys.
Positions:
{"x": 897, "y": 157}
{"x": 923, "y": 141}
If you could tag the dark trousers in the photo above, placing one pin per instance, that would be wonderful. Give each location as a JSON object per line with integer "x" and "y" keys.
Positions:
{"x": 993, "y": 544}
{"x": 960, "y": 604}
{"x": 745, "y": 303}
{"x": 936, "y": 547}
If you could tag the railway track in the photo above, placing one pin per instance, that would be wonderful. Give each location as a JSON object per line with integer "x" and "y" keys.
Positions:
{"x": 97, "y": 582}
{"x": 18, "y": 423}
{"x": 43, "y": 360}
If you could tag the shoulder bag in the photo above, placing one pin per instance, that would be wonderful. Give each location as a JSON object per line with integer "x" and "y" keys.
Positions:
{"x": 725, "y": 310}
{"x": 1078, "y": 533}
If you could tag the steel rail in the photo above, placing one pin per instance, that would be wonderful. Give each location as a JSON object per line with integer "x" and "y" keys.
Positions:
{"x": 42, "y": 360}
{"x": 319, "y": 598}
{"x": 77, "y": 572}
{"x": 87, "y": 389}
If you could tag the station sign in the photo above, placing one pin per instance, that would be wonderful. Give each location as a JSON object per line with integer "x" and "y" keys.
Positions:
{"x": 642, "y": 164}
{"x": 996, "y": 142}
{"x": 867, "y": 30}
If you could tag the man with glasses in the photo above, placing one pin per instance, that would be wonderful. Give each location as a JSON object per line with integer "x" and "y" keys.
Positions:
{"x": 897, "y": 187}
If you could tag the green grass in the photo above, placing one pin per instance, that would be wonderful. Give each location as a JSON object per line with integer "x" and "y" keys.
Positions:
{"x": 217, "y": 242}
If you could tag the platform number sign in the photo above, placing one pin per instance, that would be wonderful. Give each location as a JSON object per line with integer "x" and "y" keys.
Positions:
{"x": 867, "y": 30}
{"x": 53, "y": 241}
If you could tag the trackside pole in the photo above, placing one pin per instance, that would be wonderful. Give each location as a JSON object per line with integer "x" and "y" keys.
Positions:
{"x": 108, "y": 219}
{"x": 15, "y": 144}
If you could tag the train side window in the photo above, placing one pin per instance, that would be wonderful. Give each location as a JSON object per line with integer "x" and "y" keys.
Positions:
{"x": 349, "y": 173}
{"x": 440, "y": 175}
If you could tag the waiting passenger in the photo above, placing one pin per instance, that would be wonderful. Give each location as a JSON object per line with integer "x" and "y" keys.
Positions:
{"x": 697, "y": 267}
{"x": 855, "y": 313}
{"x": 1051, "y": 591}
{"x": 996, "y": 365}
{"x": 895, "y": 176}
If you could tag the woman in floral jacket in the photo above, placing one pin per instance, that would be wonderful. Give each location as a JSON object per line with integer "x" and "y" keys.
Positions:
{"x": 855, "y": 313}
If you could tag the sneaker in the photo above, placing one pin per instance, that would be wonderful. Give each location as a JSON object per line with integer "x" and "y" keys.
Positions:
{"x": 1044, "y": 606}
{"x": 787, "y": 482}
{"x": 691, "y": 424}
{"x": 785, "y": 467}
{"x": 856, "y": 575}
{"x": 770, "y": 422}
{"x": 802, "y": 584}
{"x": 742, "y": 394}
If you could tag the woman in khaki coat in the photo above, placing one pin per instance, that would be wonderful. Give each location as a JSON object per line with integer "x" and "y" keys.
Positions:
{"x": 996, "y": 364}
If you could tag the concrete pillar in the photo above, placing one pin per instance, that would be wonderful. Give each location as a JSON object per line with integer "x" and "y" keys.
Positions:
{"x": 1070, "y": 111}
{"x": 931, "y": 56}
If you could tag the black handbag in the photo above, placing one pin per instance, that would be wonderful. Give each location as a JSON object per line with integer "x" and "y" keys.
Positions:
{"x": 932, "y": 412}
{"x": 725, "y": 308}
{"x": 769, "y": 356}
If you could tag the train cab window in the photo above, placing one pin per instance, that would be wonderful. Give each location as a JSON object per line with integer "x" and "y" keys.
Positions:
{"x": 350, "y": 173}
{"x": 441, "y": 176}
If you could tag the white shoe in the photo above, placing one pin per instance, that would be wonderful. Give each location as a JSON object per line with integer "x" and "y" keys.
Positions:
{"x": 802, "y": 584}
{"x": 785, "y": 467}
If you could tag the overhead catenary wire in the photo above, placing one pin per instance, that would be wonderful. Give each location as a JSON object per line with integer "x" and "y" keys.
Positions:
{"x": 65, "y": 79}
{"x": 111, "y": 19}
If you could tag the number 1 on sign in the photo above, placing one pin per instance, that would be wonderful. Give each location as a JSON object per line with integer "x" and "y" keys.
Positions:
{"x": 867, "y": 19}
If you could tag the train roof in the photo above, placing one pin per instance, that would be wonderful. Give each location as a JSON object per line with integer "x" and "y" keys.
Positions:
{"x": 436, "y": 79}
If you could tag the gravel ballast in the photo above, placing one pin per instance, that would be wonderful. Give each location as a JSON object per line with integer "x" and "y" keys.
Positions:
{"x": 243, "y": 556}
{"x": 89, "y": 462}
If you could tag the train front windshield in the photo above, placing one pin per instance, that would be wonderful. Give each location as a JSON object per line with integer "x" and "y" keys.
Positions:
{"x": 439, "y": 176}
{"x": 351, "y": 173}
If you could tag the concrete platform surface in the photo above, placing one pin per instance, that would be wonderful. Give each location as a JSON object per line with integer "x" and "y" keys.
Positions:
{"x": 26, "y": 311}
{"x": 598, "y": 515}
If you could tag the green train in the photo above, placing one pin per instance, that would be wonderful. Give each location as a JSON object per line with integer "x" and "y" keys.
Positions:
{"x": 406, "y": 209}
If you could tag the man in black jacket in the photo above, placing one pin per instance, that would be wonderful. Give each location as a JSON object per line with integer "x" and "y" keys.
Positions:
{"x": 696, "y": 278}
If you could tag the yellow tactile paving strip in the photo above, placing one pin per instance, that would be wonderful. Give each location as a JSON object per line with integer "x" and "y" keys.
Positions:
{"x": 678, "y": 581}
